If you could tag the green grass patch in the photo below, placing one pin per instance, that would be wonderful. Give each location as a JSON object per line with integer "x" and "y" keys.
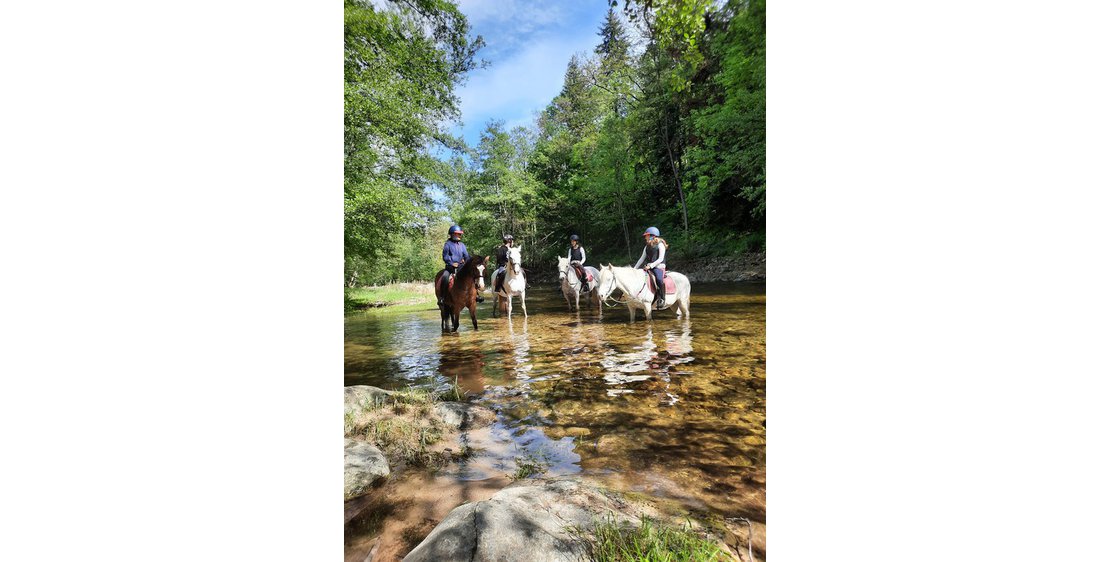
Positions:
{"x": 530, "y": 464}
{"x": 413, "y": 296}
{"x": 650, "y": 541}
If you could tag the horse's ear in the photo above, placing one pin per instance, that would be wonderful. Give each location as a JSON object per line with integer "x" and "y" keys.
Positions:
{"x": 485, "y": 261}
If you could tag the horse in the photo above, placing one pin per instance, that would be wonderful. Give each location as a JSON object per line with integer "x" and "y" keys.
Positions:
{"x": 469, "y": 280}
{"x": 514, "y": 283}
{"x": 634, "y": 284}
{"x": 572, "y": 285}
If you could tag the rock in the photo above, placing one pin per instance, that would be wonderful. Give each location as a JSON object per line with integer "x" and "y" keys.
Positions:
{"x": 364, "y": 465}
{"x": 359, "y": 397}
{"x": 464, "y": 416}
{"x": 531, "y": 520}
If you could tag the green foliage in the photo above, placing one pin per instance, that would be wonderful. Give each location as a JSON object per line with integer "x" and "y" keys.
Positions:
{"x": 498, "y": 195}
{"x": 671, "y": 136}
{"x": 401, "y": 65}
{"x": 650, "y": 541}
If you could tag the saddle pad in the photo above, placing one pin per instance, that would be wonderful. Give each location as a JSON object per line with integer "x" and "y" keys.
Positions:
{"x": 668, "y": 283}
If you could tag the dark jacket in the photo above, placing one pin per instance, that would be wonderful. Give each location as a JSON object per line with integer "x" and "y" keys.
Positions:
{"x": 576, "y": 254}
{"x": 454, "y": 252}
{"x": 502, "y": 255}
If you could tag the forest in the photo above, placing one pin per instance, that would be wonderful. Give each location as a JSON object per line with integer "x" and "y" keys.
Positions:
{"x": 667, "y": 130}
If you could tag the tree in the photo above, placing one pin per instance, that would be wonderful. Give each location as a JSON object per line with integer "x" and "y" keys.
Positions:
{"x": 402, "y": 61}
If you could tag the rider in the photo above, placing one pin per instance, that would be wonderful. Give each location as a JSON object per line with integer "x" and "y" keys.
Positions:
{"x": 577, "y": 257}
{"x": 655, "y": 251}
{"x": 502, "y": 260}
{"x": 454, "y": 256}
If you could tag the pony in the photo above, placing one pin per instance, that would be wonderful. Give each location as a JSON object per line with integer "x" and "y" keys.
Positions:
{"x": 513, "y": 286}
{"x": 571, "y": 285}
{"x": 469, "y": 280}
{"x": 636, "y": 288}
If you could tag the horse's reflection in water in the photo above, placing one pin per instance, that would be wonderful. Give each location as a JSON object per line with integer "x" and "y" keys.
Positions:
{"x": 680, "y": 343}
{"x": 521, "y": 358}
{"x": 463, "y": 362}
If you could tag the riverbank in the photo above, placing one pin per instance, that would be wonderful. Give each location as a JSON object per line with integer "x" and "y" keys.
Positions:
{"x": 395, "y": 296}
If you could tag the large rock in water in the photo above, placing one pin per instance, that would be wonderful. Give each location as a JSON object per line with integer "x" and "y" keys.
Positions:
{"x": 529, "y": 521}
{"x": 364, "y": 465}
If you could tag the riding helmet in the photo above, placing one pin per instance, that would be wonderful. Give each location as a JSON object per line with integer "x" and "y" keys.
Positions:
{"x": 652, "y": 231}
{"x": 574, "y": 237}
{"x": 454, "y": 228}
{"x": 506, "y": 237}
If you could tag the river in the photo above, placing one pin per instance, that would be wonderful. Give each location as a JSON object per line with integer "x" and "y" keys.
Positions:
{"x": 672, "y": 408}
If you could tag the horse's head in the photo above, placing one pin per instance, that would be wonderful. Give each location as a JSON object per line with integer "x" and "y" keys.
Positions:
{"x": 563, "y": 264}
{"x": 482, "y": 263}
{"x": 607, "y": 282}
{"x": 514, "y": 259}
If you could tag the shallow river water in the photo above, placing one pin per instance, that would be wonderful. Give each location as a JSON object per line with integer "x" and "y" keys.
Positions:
{"x": 672, "y": 408}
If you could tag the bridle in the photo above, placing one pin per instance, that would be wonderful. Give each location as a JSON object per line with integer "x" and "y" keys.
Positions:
{"x": 609, "y": 296}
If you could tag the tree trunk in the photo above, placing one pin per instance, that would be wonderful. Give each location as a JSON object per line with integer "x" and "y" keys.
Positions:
{"x": 677, "y": 180}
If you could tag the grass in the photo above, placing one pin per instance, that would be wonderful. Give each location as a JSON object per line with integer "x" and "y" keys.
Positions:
{"x": 412, "y": 296}
{"x": 650, "y": 541}
{"x": 530, "y": 464}
{"x": 404, "y": 426}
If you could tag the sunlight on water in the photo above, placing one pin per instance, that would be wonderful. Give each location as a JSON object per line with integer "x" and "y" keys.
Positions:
{"x": 673, "y": 408}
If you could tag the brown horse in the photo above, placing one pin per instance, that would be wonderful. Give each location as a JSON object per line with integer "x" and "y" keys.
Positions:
{"x": 469, "y": 279}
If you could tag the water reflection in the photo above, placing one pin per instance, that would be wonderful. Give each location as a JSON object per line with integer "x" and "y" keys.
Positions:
{"x": 673, "y": 407}
{"x": 461, "y": 364}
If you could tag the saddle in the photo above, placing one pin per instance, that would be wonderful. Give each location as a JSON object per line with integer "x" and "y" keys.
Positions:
{"x": 668, "y": 283}
{"x": 584, "y": 274}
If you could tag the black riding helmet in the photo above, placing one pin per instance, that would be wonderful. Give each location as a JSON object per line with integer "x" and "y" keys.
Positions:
{"x": 574, "y": 237}
{"x": 506, "y": 237}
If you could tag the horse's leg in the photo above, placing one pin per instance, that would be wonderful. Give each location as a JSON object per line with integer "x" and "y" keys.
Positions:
{"x": 496, "y": 304}
{"x": 523, "y": 306}
{"x": 509, "y": 304}
{"x": 631, "y": 313}
{"x": 455, "y": 320}
{"x": 686, "y": 305}
{"x": 473, "y": 317}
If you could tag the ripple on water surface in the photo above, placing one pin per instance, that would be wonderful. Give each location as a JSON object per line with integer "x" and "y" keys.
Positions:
{"x": 673, "y": 408}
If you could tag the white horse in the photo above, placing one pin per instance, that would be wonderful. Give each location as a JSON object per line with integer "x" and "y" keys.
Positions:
{"x": 513, "y": 286}
{"x": 634, "y": 284}
{"x": 571, "y": 285}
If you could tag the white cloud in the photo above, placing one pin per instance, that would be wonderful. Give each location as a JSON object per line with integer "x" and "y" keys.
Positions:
{"x": 514, "y": 88}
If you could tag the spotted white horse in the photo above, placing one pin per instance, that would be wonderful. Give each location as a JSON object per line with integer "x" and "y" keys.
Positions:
{"x": 638, "y": 294}
{"x": 571, "y": 285}
{"x": 513, "y": 286}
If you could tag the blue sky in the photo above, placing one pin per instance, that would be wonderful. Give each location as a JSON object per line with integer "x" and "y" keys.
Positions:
{"x": 528, "y": 44}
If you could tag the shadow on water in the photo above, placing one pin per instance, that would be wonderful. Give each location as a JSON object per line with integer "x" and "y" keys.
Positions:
{"x": 674, "y": 408}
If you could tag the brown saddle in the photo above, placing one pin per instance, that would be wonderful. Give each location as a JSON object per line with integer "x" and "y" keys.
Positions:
{"x": 668, "y": 283}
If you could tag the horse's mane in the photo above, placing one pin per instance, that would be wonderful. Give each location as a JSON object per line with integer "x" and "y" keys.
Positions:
{"x": 471, "y": 266}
